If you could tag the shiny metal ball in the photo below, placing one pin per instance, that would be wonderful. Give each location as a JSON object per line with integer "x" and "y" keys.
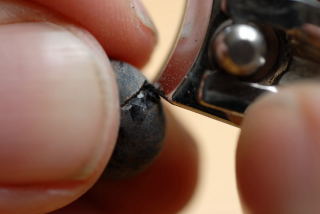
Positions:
{"x": 240, "y": 49}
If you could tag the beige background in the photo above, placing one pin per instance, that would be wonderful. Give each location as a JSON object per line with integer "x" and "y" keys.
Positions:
{"x": 216, "y": 192}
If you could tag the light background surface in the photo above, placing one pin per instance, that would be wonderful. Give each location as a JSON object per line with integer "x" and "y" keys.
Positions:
{"x": 216, "y": 191}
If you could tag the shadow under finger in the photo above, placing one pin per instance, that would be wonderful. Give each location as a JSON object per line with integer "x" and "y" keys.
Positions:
{"x": 166, "y": 187}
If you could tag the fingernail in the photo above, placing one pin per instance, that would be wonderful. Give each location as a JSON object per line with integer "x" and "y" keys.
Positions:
{"x": 143, "y": 15}
{"x": 58, "y": 109}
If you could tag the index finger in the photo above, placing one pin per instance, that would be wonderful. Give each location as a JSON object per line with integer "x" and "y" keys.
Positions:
{"x": 124, "y": 29}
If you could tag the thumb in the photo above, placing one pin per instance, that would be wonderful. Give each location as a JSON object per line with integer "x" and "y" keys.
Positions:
{"x": 279, "y": 153}
{"x": 58, "y": 115}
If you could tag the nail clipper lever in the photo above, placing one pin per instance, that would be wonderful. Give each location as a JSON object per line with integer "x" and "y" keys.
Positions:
{"x": 230, "y": 52}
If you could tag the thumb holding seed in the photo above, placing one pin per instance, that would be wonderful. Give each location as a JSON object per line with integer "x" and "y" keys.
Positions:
{"x": 59, "y": 115}
{"x": 59, "y": 111}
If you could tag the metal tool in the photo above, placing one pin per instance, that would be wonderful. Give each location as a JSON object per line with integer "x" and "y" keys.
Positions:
{"x": 230, "y": 52}
{"x": 227, "y": 54}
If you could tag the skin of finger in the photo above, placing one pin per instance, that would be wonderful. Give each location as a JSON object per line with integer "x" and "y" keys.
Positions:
{"x": 55, "y": 190}
{"x": 46, "y": 196}
{"x": 278, "y": 153}
{"x": 166, "y": 187}
{"x": 40, "y": 198}
{"x": 114, "y": 23}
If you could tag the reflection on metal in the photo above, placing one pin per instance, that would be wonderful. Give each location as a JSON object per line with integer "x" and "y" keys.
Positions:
{"x": 240, "y": 49}
{"x": 300, "y": 69}
{"x": 286, "y": 14}
{"x": 298, "y": 18}
{"x": 230, "y": 52}
{"x": 188, "y": 45}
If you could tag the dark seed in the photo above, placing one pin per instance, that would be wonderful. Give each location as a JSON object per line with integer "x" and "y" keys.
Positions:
{"x": 142, "y": 128}
{"x": 130, "y": 80}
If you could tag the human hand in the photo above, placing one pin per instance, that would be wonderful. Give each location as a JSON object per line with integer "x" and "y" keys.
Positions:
{"x": 51, "y": 114}
{"x": 278, "y": 153}
{"x": 59, "y": 111}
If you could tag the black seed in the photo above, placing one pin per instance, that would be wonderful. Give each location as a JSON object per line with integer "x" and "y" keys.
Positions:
{"x": 142, "y": 128}
{"x": 130, "y": 80}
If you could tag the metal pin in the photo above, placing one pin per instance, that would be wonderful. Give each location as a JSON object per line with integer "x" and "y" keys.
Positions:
{"x": 240, "y": 49}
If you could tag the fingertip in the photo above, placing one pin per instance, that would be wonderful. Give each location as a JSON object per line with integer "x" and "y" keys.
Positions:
{"x": 277, "y": 154}
{"x": 141, "y": 35}
{"x": 59, "y": 115}
{"x": 124, "y": 28}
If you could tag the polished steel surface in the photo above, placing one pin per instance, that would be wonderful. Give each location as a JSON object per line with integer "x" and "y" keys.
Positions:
{"x": 240, "y": 49}
{"x": 189, "y": 42}
{"x": 298, "y": 18}
{"x": 266, "y": 44}
{"x": 286, "y": 14}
